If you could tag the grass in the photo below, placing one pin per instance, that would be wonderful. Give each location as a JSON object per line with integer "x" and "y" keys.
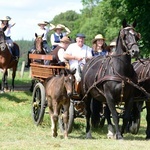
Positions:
{"x": 18, "y": 132}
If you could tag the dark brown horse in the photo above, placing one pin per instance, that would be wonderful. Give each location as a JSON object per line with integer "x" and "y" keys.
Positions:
{"x": 7, "y": 60}
{"x": 58, "y": 92}
{"x": 142, "y": 69}
{"x": 111, "y": 79}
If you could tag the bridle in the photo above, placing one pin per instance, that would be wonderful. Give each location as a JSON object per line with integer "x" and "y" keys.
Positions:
{"x": 131, "y": 31}
{"x": 39, "y": 44}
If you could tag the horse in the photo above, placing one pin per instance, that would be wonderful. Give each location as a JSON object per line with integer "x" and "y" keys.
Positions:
{"x": 7, "y": 60}
{"x": 111, "y": 79}
{"x": 38, "y": 49}
{"x": 142, "y": 68}
{"x": 59, "y": 89}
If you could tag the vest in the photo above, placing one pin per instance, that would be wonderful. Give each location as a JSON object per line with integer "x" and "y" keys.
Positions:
{"x": 57, "y": 39}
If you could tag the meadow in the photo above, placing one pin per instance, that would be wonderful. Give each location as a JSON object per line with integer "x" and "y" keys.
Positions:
{"x": 18, "y": 132}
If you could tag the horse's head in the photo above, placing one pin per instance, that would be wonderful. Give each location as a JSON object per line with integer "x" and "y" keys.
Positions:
{"x": 39, "y": 43}
{"x": 129, "y": 39}
{"x": 2, "y": 40}
{"x": 69, "y": 80}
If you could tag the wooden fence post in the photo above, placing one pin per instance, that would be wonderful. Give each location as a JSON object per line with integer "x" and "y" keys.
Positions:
{"x": 22, "y": 69}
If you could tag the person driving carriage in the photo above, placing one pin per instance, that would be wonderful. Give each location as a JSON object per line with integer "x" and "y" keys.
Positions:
{"x": 77, "y": 54}
{"x": 6, "y": 26}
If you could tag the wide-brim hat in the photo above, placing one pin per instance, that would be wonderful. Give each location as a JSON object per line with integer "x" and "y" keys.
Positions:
{"x": 42, "y": 23}
{"x": 6, "y": 18}
{"x": 80, "y": 35}
{"x": 65, "y": 39}
{"x": 58, "y": 27}
{"x": 98, "y": 37}
{"x": 112, "y": 44}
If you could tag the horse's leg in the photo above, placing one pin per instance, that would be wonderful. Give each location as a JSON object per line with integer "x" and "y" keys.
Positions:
{"x": 6, "y": 83}
{"x": 13, "y": 78}
{"x": 54, "y": 117}
{"x": 96, "y": 107}
{"x": 88, "y": 115}
{"x": 66, "y": 118}
{"x": 148, "y": 120}
{"x": 3, "y": 80}
{"x": 127, "y": 114}
{"x": 107, "y": 114}
{"x": 134, "y": 121}
{"x": 111, "y": 105}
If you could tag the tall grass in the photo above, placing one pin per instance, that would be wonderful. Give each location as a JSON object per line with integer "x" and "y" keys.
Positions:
{"x": 18, "y": 132}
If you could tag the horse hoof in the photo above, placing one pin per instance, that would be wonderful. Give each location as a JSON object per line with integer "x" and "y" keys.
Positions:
{"x": 119, "y": 137}
{"x": 133, "y": 129}
{"x": 88, "y": 135}
{"x": 2, "y": 92}
{"x": 110, "y": 136}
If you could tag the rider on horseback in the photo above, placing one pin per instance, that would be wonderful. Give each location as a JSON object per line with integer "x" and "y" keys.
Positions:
{"x": 6, "y": 26}
{"x": 42, "y": 30}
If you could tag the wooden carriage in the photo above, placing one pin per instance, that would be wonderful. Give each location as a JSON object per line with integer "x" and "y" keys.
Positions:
{"x": 40, "y": 73}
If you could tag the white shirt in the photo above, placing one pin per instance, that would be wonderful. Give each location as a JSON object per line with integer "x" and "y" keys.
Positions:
{"x": 8, "y": 30}
{"x": 44, "y": 31}
{"x": 74, "y": 50}
{"x": 61, "y": 55}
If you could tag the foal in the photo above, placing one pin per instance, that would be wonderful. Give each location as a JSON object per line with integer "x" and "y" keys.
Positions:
{"x": 58, "y": 92}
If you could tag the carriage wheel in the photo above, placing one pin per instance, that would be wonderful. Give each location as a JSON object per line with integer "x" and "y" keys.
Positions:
{"x": 71, "y": 118}
{"x": 38, "y": 103}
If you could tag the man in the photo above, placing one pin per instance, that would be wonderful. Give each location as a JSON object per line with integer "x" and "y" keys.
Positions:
{"x": 77, "y": 53}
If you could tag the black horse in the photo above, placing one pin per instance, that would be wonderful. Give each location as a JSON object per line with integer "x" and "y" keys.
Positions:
{"x": 111, "y": 79}
{"x": 142, "y": 68}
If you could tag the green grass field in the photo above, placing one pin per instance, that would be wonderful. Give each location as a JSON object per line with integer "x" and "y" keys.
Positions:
{"x": 18, "y": 132}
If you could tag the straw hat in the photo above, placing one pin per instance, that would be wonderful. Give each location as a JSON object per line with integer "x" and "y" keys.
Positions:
{"x": 42, "y": 23}
{"x": 112, "y": 44}
{"x": 6, "y": 18}
{"x": 98, "y": 37}
{"x": 65, "y": 39}
{"x": 58, "y": 27}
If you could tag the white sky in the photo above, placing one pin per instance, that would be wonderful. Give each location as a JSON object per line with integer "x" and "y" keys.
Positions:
{"x": 28, "y": 13}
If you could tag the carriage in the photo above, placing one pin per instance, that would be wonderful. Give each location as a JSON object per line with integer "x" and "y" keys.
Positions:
{"x": 40, "y": 73}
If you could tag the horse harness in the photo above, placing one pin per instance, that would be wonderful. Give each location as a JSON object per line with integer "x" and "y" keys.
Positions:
{"x": 100, "y": 78}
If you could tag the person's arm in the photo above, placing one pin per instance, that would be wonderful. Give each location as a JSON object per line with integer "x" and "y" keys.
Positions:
{"x": 51, "y": 26}
{"x": 53, "y": 40}
{"x": 71, "y": 57}
{"x": 61, "y": 54}
{"x": 67, "y": 30}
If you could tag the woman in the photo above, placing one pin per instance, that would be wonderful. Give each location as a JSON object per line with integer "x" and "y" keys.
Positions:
{"x": 59, "y": 34}
{"x": 43, "y": 29}
{"x": 99, "y": 45}
{"x": 6, "y": 26}
{"x": 98, "y": 49}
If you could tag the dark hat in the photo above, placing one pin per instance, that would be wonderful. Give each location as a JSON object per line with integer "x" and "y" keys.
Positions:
{"x": 80, "y": 35}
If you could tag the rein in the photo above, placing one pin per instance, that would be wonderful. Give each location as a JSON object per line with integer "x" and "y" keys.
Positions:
{"x": 117, "y": 78}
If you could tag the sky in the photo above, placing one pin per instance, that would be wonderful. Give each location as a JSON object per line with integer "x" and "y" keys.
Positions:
{"x": 28, "y": 13}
